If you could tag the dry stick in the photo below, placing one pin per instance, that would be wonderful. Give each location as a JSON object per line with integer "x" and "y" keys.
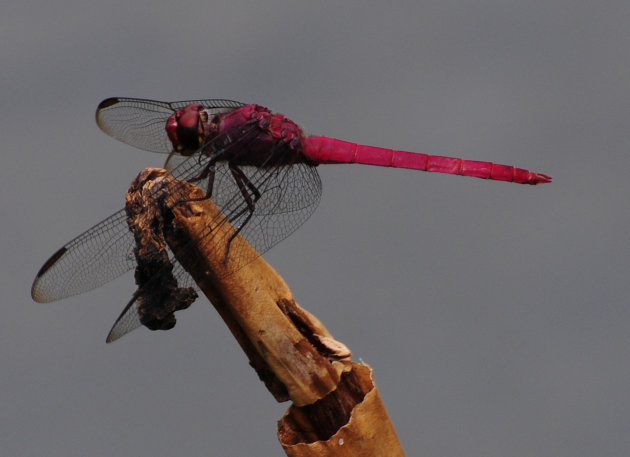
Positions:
{"x": 336, "y": 407}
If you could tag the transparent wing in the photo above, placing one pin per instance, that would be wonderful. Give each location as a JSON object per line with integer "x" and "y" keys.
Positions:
{"x": 105, "y": 251}
{"x": 141, "y": 123}
{"x": 92, "y": 259}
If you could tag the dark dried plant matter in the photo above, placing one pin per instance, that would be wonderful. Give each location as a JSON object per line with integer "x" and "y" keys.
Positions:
{"x": 158, "y": 295}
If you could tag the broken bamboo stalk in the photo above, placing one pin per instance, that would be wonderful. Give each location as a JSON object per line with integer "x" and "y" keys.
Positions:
{"x": 336, "y": 409}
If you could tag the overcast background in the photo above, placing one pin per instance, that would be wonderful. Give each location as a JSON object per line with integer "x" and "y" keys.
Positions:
{"x": 495, "y": 315}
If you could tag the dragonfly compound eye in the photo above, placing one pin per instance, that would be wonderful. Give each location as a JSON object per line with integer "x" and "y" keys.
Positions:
{"x": 186, "y": 129}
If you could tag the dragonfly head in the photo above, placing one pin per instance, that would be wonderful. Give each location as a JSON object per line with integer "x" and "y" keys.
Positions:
{"x": 187, "y": 129}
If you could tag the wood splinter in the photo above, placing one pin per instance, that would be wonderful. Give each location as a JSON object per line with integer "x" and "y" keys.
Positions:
{"x": 336, "y": 409}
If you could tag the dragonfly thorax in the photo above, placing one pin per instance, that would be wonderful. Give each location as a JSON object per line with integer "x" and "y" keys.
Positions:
{"x": 274, "y": 139}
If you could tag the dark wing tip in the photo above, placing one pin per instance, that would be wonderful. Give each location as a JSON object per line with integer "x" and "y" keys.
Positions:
{"x": 50, "y": 262}
{"x": 103, "y": 105}
{"x": 125, "y": 322}
{"x": 107, "y": 103}
{"x": 37, "y": 296}
{"x": 110, "y": 336}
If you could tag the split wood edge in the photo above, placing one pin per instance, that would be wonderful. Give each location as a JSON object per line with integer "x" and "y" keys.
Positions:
{"x": 336, "y": 408}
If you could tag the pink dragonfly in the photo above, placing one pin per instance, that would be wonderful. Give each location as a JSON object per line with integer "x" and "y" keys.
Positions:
{"x": 258, "y": 167}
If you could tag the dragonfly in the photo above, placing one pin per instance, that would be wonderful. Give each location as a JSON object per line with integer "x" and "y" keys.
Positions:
{"x": 258, "y": 167}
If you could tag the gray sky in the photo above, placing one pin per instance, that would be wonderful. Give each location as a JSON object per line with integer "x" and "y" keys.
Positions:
{"x": 495, "y": 315}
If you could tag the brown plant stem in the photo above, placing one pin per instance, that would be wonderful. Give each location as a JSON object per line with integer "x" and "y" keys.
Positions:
{"x": 336, "y": 408}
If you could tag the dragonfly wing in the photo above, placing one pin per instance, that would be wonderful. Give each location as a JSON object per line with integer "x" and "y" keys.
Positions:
{"x": 127, "y": 321}
{"x": 129, "y": 318}
{"x": 141, "y": 123}
{"x": 95, "y": 257}
{"x": 289, "y": 195}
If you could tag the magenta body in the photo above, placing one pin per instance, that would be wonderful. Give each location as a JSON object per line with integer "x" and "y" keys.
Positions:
{"x": 321, "y": 149}
{"x": 280, "y": 141}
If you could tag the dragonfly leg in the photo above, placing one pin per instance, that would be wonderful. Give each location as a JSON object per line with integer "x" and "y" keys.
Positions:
{"x": 219, "y": 151}
{"x": 209, "y": 172}
{"x": 251, "y": 195}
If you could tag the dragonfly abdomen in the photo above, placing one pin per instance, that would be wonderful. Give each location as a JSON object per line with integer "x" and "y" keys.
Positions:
{"x": 327, "y": 150}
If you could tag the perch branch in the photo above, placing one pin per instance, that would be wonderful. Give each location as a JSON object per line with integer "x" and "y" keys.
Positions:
{"x": 336, "y": 409}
